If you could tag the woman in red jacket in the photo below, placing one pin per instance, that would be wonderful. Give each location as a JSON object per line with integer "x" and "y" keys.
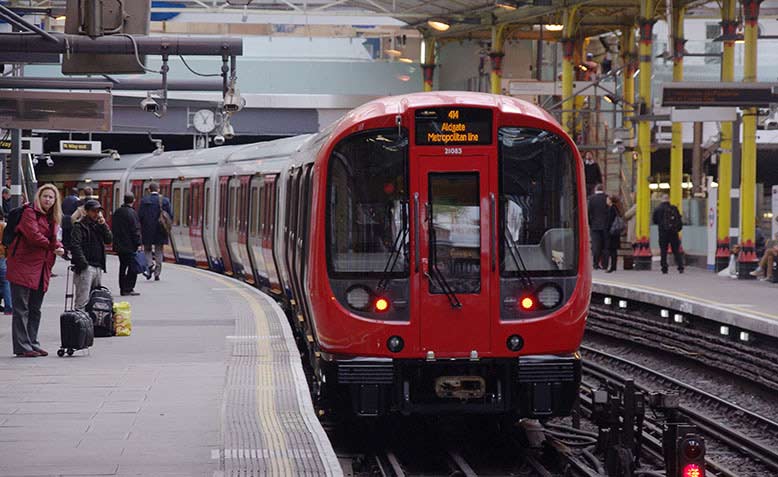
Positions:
{"x": 30, "y": 258}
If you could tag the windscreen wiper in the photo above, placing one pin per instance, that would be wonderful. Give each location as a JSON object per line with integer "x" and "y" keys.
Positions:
{"x": 524, "y": 275}
{"x": 399, "y": 239}
{"x": 437, "y": 275}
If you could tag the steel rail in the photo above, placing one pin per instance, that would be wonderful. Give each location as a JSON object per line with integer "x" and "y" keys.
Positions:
{"x": 737, "y": 440}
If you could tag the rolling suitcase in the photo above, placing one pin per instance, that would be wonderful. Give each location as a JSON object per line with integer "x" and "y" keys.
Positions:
{"x": 100, "y": 309}
{"x": 75, "y": 327}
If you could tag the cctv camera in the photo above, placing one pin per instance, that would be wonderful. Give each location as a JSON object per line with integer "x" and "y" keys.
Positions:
{"x": 218, "y": 140}
{"x": 227, "y": 131}
{"x": 233, "y": 101}
{"x": 771, "y": 124}
{"x": 149, "y": 105}
{"x": 49, "y": 161}
{"x": 618, "y": 141}
{"x": 115, "y": 155}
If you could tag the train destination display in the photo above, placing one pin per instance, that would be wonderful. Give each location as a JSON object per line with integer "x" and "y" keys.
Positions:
{"x": 453, "y": 126}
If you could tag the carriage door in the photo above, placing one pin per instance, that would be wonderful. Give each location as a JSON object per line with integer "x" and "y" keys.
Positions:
{"x": 454, "y": 240}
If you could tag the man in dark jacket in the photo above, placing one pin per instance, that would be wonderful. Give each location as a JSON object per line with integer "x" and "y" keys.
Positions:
{"x": 88, "y": 239}
{"x": 69, "y": 206}
{"x": 154, "y": 235}
{"x": 668, "y": 220}
{"x": 126, "y": 241}
{"x": 598, "y": 224}
{"x": 591, "y": 173}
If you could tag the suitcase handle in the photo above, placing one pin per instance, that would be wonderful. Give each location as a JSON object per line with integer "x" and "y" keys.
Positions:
{"x": 72, "y": 294}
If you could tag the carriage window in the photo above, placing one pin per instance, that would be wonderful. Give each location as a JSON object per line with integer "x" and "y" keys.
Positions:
{"x": 233, "y": 202}
{"x": 185, "y": 209}
{"x": 538, "y": 203}
{"x": 207, "y": 204}
{"x": 367, "y": 204}
{"x": 254, "y": 212}
{"x": 176, "y": 207}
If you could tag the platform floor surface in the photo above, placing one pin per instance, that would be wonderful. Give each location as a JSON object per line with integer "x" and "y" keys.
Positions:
{"x": 739, "y": 296}
{"x": 201, "y": 388}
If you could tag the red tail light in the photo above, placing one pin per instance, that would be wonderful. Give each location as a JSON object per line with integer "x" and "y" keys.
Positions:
{"x": 381, "y": 304}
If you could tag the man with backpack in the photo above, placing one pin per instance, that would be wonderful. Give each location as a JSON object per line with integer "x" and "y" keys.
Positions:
{"x": 668, "y": 219}
{"x": 88, "y": 240}
{"x": 156, "y": 217}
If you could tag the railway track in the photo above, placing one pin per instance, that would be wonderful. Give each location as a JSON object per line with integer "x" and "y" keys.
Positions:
{"x": 737, "y": 438}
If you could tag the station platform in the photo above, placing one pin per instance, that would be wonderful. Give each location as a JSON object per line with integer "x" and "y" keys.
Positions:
{"x": 745, "y": 304}
{"x": 209, "y": 384}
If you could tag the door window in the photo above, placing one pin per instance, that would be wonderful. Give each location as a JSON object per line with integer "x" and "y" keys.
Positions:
{"x": 455, "y": 232}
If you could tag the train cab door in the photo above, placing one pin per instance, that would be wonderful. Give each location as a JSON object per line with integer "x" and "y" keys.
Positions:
{"x": 165, "y": 188}
{"x": 196, "y": 223}
{"x": 455, "y": 213}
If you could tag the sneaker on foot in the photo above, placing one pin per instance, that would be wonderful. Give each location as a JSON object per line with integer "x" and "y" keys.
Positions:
{"x": 756, "y": 272}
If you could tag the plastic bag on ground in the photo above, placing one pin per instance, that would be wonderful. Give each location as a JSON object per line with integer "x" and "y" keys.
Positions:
{"x": 122, "y": 318}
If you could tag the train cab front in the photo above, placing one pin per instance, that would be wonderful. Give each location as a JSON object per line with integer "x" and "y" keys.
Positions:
{"x": 456, "y": 264}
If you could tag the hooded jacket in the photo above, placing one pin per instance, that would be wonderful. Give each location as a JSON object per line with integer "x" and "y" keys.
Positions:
{"x": 31, "y": 254}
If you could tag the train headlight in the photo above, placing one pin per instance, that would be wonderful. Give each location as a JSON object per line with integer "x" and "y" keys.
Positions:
{"x": 395, "y": 344}
{"x": 550, "y": 296}
{"x": 515, "y": 343}
{"x": 358, "y": 297}
{"x": 527, "y": 303}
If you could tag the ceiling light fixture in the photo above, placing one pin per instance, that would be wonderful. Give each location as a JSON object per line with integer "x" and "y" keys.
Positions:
{"x": 554, "y": 27}
{"x": 393, "y": 52}
{"x": 405, "y": 60}
{"x": 507, "y": 5}
{"x": 438, "y": 24}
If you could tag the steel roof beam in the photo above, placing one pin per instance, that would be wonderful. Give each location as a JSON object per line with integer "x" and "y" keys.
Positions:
{"x": 134, "y": 84}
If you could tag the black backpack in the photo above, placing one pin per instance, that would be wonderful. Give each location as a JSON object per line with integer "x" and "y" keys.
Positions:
{"x": 671, "y": 219}
{"x": 11, "y": 221}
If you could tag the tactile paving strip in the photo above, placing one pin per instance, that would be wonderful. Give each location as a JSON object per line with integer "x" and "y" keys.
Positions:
{"x": 268, "y": 422}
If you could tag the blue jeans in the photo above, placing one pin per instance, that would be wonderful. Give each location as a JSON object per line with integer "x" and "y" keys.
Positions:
{"x": 5, "y": 287}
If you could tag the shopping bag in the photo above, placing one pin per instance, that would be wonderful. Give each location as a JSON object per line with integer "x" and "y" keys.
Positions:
{"x": 139, "y": 264}
{"x": 122, "y": 318}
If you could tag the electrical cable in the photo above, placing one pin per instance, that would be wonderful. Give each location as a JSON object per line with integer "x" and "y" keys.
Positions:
{"x": 137, "y": 57}
{"x": 206, "y": 75}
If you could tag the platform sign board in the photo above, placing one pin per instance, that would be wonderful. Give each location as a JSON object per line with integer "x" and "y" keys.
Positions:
{"x": 775, "y": 213}
{"x": 714, "y": 94}
{"x": 711, "y": 223}
{"x": 548, "y": 88}
{"x": 30, "y": 145}
{"x": 80, "y": 148}
{"x": 704, "y": 114}
{"x": 55, "y": 110}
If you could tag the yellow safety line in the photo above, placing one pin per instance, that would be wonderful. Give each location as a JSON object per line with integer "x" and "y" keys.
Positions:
{"x": 272, "y": 430}
{"x": 683, "y": 295}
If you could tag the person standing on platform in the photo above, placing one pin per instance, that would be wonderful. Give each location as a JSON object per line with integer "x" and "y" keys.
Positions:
{"x": 669, "y": 222}
{"x": 616, "y": 227}
{"x": 154, "y": 234}
{"x": 591, "y": 173}
{"x": 88, "y": 240}
{"x": 126, "y": 241}
{"x": 598, "y": 225}
{"x": 69, "y": 206}
{"x": 5, "y": 286}
{"x": 31, "y": 256}
{"x": 6, "y": 201}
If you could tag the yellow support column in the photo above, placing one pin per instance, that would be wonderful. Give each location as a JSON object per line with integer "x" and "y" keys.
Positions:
{"x": 568, "y": 69}
{"x": 641, "y": 247}
{"x": 748, "y": 259}
{"x": 428, "y": 62}
{"x": 676, "y": 151}
{"x": 729, "y": 26}
{"x": 496, "y": 56}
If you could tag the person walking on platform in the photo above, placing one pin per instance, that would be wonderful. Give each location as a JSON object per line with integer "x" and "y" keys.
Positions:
{"x": 89, "y": 237}
{"x": 598, "y": 225}
{"x": 126, "y": 240}
{"x": 155, "y": 217}
{"x": 668, "y": 220}
{"x": 31, "y": 256}
{"x": 616, "y": 227}
{"x": 591, "y": 173}
{"x": 69, "y": 206}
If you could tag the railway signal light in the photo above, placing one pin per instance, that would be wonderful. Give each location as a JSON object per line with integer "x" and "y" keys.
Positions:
{"x": 691, "y": 456}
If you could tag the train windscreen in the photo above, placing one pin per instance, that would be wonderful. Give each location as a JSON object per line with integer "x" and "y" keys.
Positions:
{"x": 367, "y": 205}
{"x": 539, "y": 221}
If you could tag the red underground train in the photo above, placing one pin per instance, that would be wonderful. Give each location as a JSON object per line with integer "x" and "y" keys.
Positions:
{"x": 432, "y": 249}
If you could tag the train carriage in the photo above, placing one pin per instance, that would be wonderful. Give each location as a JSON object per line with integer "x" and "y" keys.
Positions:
{"x": 432, "y": 249}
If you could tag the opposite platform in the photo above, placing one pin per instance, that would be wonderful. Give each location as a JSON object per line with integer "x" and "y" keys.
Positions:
{"x": 209, "y": 384}
{"x": 745, "y": 304}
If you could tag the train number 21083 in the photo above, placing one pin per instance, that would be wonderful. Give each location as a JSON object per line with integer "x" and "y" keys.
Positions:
{"x": 452, "y": 151}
